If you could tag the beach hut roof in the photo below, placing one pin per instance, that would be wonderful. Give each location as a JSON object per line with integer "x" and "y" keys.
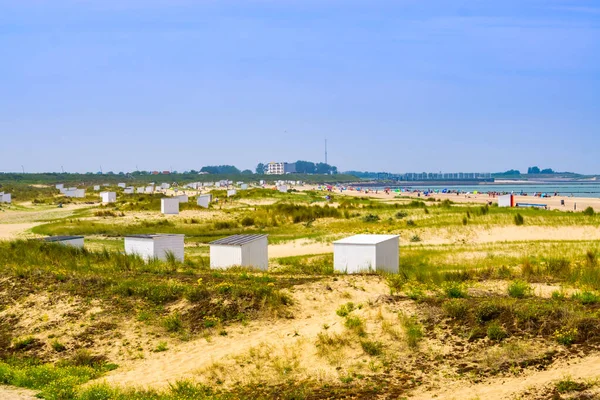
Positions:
{"x": 238, "y": 240}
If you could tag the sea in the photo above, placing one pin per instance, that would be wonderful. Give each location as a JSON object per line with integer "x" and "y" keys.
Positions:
{"x": 562, "y": 189}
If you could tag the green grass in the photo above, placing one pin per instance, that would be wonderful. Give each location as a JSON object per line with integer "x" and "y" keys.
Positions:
{"x": 413, "y": 331}
{"x": 519, "y": 289}
{"x": 345, "y": 309}
{"x": 127, "y": 283}
{"x": 372, "y": 348}
{"x": 53, "y": 381}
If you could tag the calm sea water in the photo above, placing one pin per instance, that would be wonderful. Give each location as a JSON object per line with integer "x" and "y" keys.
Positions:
{"x": 563, "y": 189}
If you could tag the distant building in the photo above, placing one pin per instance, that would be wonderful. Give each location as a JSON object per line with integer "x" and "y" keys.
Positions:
{"x": 280, "y": 168}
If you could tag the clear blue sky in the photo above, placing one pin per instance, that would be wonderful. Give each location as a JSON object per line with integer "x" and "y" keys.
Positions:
{"x": 395, "y": 85}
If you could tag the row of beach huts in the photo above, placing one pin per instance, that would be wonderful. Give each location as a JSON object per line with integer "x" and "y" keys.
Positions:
{"x": 354, "y": 254}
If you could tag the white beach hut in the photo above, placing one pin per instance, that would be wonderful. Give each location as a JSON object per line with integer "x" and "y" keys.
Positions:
{"x": 506, "y": 201}
{"x": 183, "y": 198}
{"x": 96, "y": 187}
{"x": 140, "y": 190}
{"x": 244, "y": 186}
{"x": 60, "y": 186}
{"x": 108, "y": 197}
{"x": 204, "y": 200}
{"x": 121, "y": 185}
{"x": 165, "y": 186}
{"x": 155, "y": 246}
{"x": 231, "y": 192}
{"x": 128, "y": 190}
{"x": 169, "y": 205}
{"x": 282, "y": 188}
{"x": 240, "y": 250}
{"x": 149, "y": 189}
{"x": 5, "y": 198}
{"x": 73, "y": 241}
{"x": 362, "y": 253}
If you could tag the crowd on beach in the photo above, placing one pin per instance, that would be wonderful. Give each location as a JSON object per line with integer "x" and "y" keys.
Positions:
{"x": 428, "y": 192}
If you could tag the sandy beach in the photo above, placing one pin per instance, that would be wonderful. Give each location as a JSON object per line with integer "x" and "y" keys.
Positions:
{"x": 553, "y": 203}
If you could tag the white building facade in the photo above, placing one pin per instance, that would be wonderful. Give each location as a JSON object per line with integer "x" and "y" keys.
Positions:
{"x": 240, "y": 250}
{"x": 108, "y": 197}
{"x": 366, "y": 253}
{"x": 156, "y": 246}
{"x": 169, "y": 205}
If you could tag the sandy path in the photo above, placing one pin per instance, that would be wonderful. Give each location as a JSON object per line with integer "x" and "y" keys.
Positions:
{"x": 14, "y": 224}
{"x": 11, "y": 393}
{"x": 314, "y": 307}
{"x": 14, "y": 231}
{"x": 508, "y": 388}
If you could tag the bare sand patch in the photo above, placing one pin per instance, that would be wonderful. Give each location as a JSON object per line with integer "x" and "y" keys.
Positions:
{"x": 507, "y": 388}
{"x": 299, "y": 247}
{"x": 10, "y": 393}
{"x": 314, "y": 307}
{"x": 441, "y": 236}
{"x": 16, "y": 231}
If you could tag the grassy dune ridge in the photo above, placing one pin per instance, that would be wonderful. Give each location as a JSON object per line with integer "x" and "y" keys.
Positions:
{"x": 460, "y": 308}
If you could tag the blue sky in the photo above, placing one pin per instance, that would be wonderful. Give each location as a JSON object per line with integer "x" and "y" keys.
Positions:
{"x": 403, "y": 85}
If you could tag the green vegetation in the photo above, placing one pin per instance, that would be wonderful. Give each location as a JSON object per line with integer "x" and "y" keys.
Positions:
{"x": 519, "y": 289}
{"x": 453, "y": 288}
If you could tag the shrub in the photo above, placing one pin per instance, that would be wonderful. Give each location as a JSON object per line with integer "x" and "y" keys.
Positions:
{"x": 566, "y": 336}
{"x": 589, "y": 212}
{"x": 401, "y": 214}
{"x": 173, "y": 323}
{"x": 355, "y": 324}
{"x": 519, "y": 220}
{"x": 85, "y": 358}
{"x": 370, "y": 218}
{"x": 372, "y": 348}
{"x": 345, "y": 309}
{"x": 488, "y": 311}
{"x": 247, "y": 221}
{"x": 395, "y": 282}
{"x": 413, "y": 331}
{"x": 447, "y": 203}
{"x": 23, "y": 343}
{"x": 519, "y": 289}
{"x": 567, "y": 384}
{"x": 58, "y": 346}
{"x": 586, "y": 297}
{"x": 454, "y": 290}
{"x": 456, "y": 308}
{"x": 108, "y": 213}
{"x": 224, "y": 225}
{"x": 465, "y": 221}
{"x": 410, "y": 222}
{"x": 559, "y": 267}
{"x": 415, "y": 239}
{"x": 162, "y": 346}
{"x": 496, "y": 332}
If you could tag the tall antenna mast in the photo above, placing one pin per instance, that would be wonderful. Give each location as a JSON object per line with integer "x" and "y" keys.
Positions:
{"x": 325, "y": 151}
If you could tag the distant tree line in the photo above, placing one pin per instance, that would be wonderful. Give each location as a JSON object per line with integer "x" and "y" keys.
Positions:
{"x": 304, "y": 167}
{"x": 536, "y": 170}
